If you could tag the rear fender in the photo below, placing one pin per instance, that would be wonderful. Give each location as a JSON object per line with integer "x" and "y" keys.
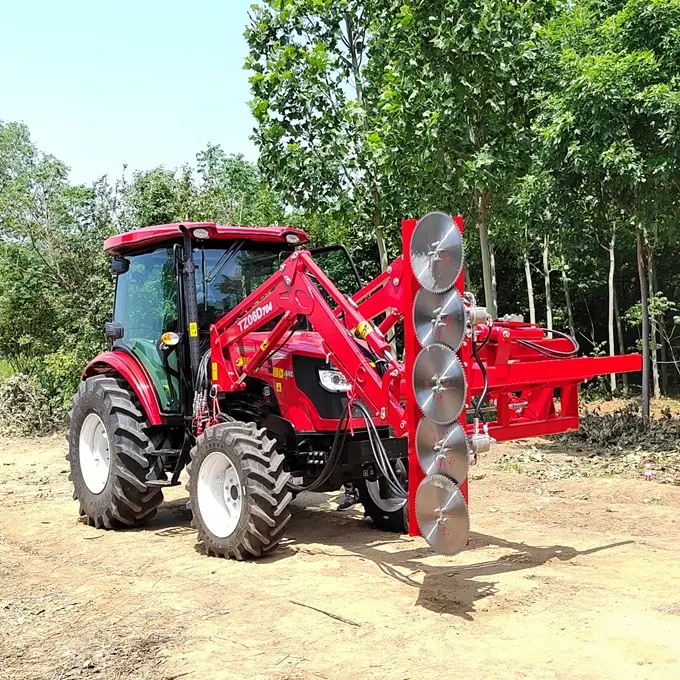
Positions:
{"x": 135, "y": 374}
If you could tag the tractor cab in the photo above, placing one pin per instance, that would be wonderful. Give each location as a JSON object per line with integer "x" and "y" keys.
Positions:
{"x": 230, "y": 263}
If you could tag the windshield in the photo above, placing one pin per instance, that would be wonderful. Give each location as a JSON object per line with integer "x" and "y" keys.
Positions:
{"x": 226, "y": 276}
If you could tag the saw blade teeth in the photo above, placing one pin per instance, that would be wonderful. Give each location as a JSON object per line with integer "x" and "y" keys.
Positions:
{"x": 439, "y": 317}
{"x": 436, "y": 251}
{"x": 442, "y": 449}
{"x": 442, "y": 514}
{"x": 439, "y": 383}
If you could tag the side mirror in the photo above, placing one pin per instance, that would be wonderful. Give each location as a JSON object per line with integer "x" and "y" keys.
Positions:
{"x": 119, "y": 265}
{"x": 114, "y": 330}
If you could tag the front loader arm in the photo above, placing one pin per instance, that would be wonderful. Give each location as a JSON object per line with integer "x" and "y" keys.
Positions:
{"x": 384, "y": 294}
{"x": 290, "y": 293}
{"x": 466, "y": 381}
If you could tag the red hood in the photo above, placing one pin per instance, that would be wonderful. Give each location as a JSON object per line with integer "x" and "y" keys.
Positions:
{"x": 307, "y": 343}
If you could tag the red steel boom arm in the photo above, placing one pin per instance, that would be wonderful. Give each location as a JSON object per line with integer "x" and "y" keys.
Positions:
{"x": 294, "y": 291}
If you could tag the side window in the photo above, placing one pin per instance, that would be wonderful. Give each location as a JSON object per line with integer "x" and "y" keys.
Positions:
{"x": 146, "y": 296}
{"x": 146, "y": 305}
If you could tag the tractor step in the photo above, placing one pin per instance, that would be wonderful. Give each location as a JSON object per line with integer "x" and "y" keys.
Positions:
{"x": 155, "y": 483}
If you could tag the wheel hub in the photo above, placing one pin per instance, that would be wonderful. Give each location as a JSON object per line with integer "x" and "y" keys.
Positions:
{"x": 220, "y": 500}
{"x": 94, "y": 454}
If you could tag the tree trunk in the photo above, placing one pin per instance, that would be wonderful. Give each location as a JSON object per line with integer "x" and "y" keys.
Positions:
{"x": 494, "y": 290}
{"x": 661, "y": 325}
{"x": 352, "y": 43}
{"x": 567, "y": 296}
{"x": 546, "y": 280}
{"x": 610, "y": 286}
{"x": 482, "y": 199}
{"x": 653, "y": 330}
{"x": 530, "y": 288}
{"x": 378, "y": 229}
{"x": 644, "y": 292}
{"x": 619, "y": 332}
{"x": 382, "y": 248}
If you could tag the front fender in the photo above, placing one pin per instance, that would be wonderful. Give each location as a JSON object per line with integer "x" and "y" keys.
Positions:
{"x": 136, "y": 376}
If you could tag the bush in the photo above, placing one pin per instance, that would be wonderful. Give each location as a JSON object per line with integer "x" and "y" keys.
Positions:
{"x": 25, "y": 408}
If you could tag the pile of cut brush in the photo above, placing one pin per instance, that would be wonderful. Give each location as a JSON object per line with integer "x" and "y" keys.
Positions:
{"x": 624, "y": 429}
{"x": 24, "y": 408}
{"x": 615, "y": 443}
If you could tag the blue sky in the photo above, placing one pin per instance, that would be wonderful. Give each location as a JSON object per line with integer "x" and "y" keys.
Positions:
{"x": 144, "y": 82}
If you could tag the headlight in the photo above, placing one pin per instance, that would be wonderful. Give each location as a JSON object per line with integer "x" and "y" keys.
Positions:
{"x": 333, "y": 381}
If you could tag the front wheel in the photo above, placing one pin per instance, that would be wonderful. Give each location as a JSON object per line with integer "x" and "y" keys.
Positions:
{"x": 237, "y": 491}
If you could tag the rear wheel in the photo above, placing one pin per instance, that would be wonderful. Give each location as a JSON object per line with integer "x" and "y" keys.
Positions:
{"x": 388, "y": 512}
{"x": 108, "y": 456}
{"x": 237, "y": 491}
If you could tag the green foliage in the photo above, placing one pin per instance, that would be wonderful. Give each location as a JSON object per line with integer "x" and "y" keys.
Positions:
{"x": 317, "y": 116}
{"x": 223, "y": 188}
{"x": 554, "y": 124}
{"x": 56, "y": 291}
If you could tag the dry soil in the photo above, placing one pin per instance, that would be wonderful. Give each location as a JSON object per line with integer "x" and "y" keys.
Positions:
{"x": 573, "y": 579}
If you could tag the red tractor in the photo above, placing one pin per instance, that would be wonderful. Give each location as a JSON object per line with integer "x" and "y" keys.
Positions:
{"x": 234, "y": 355}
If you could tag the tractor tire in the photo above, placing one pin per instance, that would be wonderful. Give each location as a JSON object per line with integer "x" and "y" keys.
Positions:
{"x": 108, "y": 455}
{"x": 388, "y": 514}
{"x": 237, "y": 491}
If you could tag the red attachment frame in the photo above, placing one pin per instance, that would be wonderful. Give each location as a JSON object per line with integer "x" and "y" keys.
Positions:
{"x": 531, "y": 395}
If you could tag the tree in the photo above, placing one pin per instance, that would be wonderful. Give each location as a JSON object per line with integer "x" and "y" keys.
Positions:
{"x": 232, "y": 191}
{"x": 158, "y": 196}
{"x": 55, "y": 290}
{"x": 315, "y": 113}
{"x": 608, "y": 121}
{"x": 455, "y": 102}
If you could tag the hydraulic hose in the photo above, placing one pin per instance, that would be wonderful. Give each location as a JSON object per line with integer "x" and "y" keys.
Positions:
{"x": 336, "y": 448}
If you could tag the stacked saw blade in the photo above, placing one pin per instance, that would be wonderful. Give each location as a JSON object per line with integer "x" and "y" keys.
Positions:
{"x": 439, "y": 383}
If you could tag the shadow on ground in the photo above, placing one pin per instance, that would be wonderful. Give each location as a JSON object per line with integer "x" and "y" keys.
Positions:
{"x": 444, "y": 589}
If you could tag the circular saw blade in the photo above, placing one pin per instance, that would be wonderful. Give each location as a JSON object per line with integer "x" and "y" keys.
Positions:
{"x": 439, "y": 383}
{"x": 436, "y": 252}
{"x": 442, "y": 514}
{"x": 442, "y": 449}
{"x": 439, "y": 317}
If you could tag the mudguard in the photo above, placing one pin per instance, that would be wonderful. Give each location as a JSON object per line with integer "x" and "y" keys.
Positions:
{"x": 135, "y": 374}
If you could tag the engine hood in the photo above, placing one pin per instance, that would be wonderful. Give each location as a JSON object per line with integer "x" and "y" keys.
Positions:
{"x": 306, "y": 343}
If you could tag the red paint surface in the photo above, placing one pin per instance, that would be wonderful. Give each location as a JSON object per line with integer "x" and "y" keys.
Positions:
{"x": 136, "y": 376}
{"x": 133, "y": 240}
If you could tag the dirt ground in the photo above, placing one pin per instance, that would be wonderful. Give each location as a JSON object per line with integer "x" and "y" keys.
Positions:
{"x": 574, "y": 579}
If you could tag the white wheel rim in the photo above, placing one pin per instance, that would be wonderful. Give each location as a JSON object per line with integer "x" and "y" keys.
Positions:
{"x": 220, "y": 495}
{"x": 94, "y": 454}
{"x": 392, "y": 504}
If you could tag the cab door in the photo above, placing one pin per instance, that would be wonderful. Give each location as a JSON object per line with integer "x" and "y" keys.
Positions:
{"x": 146, "y": 307}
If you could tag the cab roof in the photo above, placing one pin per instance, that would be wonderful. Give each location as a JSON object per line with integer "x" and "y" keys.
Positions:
{"x": 146, "y": 236}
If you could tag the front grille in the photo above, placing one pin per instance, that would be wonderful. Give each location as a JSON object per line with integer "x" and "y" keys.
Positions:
{"x": 328, "y": 405}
